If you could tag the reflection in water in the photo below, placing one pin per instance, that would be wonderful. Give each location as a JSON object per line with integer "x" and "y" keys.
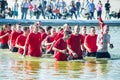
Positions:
{"x": 75, "y": 65}
{"x": 101, "y": 69}
{"x": 27, "y": 70}
{"x": 32, "y": 66}
{"x": 94, "y": 70}
{"x": 68, "y": 70}
{"x": 13, "y": 68}
{"x": 89, "y": 70}
{"x": 90, "y": 67}
{"x": 102, "y": 65}
{"x": 75, "y": 69}
{"x": 60, "y": 67}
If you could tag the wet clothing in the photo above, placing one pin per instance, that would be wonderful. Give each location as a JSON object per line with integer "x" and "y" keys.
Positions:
{"x": 91, "y": 54}
{"x": 62, "y": 45}
{"x": 75, "y": 43}
{"x": 91, "y": 42}
{"x": 49, "y": 39}
{"x": 103, "y": 55}
{"x": 33, "y": 43}
{"x": 102, "y": 51}
{"x": 3, "y": 46}
{"x": 21, "y": 41}
{"x": 103, "y": 47}
{"x": 4, "y": 40}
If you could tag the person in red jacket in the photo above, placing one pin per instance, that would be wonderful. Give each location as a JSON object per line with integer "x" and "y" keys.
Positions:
{"x": 60, "y": 47}
{"x": 33, "y": 42}
{"x": 90, "y": 43}
{"x": 75, "y": 44}
{"x": 20, "y": 41}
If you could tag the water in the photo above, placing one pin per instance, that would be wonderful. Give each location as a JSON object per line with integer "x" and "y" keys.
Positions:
{"x": 30, "y": 70}
{"x": 115, "y": 37}
{"x": 17, "y": 68}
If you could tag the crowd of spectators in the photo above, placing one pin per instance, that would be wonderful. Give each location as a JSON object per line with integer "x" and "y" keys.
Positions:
{"x": 56, "y": 9}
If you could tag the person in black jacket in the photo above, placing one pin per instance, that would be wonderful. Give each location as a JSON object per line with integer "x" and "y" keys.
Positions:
{"x": 3, "y": 6}
{"x": 107, "y": 9}
{"x": 118, "y": 14}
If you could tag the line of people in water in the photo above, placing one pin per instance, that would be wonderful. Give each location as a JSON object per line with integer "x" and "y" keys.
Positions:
{"x": 65, "y": 43}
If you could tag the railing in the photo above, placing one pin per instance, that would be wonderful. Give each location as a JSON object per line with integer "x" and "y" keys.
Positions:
{"x": 60, "y": 22}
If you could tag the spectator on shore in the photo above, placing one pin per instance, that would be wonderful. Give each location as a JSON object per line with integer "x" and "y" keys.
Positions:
{"x": 118, "y": 14}
{"x": 57, "y": 13}
{"x": 49, "y": 12}
{"x": 51, "y": 4}
{"x": 9, "y": 12}
{"x": 15, "y": 10}
{"x": 41, "y": 10}
{"x": 63, "y": 6}
{"x": 0, "y": 8}
{"x": 107, "y": 9}
{"x": 78, "y": 6}
{"x": 30, "y": 9}
{"x": 86, "y": 8}
{"x": 73, "y": 9}
{"x": 99, "y": 9}
{"x": 44, "y": 2}
{"x": 4, "y": 5}
{"x": 58, "y": 4}
{"x": 36, "y": 11}
{"x": 65, "y": 14}
{"x": 92, "y": 9}
{"x": 24, "y": 9}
